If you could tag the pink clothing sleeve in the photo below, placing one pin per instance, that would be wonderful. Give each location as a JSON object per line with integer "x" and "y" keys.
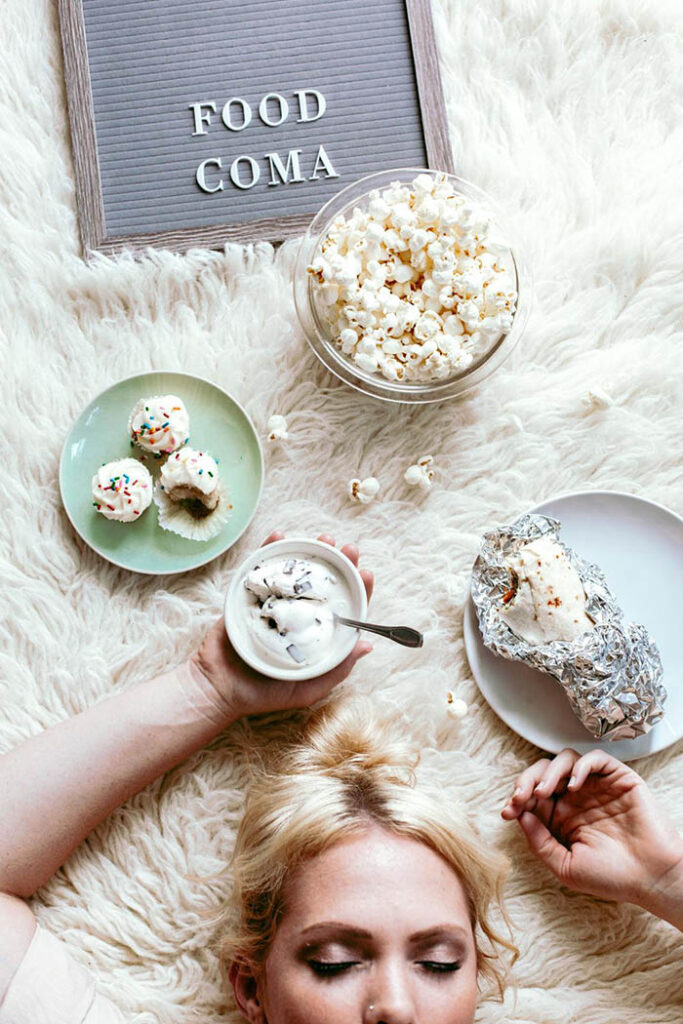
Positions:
{"x": 51, "y": 988}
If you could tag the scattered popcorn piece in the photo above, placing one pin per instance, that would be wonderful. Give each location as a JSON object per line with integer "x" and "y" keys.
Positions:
{"x": 422, "y": 274}
{"x": 455, "y": 707}
{"x": 277, "y": 428}
{"x": 363, "y": 490}
{"x": 421, "y": 474}
{"x": 597, "y": 398}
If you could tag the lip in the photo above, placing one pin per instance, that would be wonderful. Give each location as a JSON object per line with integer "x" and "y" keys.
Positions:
{"x": 301, "y": 547}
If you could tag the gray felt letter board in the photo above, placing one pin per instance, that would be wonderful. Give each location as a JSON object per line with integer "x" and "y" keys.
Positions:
{"x": 196, "y": 122}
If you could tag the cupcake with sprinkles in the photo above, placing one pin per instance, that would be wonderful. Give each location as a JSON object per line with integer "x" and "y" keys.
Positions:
{"x": 190, "y": 495}
{"x": 159, "y": 425}
{"x": 122, "y": 490}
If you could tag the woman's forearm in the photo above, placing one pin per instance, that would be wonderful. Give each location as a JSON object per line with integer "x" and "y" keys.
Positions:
{"x": 57, "y": 786}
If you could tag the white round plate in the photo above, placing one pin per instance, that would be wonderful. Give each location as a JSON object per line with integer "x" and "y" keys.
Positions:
{"x": 639, "y": 545}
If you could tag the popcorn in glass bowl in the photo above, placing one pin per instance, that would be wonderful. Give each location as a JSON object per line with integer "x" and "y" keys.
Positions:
{"x": 407, "y": 286}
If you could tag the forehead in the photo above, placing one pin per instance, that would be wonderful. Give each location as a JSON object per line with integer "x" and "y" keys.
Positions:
{"x": 376, "y": 879}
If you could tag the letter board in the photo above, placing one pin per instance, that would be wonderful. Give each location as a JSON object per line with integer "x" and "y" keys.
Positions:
{"x": 196, "y": 122}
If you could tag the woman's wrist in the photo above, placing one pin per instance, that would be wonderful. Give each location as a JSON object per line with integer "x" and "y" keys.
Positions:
{"x": 201, "y": 695}
{"x": 663, "y": 895}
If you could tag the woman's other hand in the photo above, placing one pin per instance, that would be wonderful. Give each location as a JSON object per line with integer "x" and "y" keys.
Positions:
{"x": 593, "y": 821}
{"x": 243, "y": 691}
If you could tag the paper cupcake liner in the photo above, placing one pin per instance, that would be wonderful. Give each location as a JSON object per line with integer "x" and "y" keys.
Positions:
{"x": 177, "y": 519}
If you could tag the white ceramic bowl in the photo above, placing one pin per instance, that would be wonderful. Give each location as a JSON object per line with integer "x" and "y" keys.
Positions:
{"x": 297, "y": 547}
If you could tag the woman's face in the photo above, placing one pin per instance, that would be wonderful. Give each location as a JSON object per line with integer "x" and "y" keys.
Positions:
{"x": 376, "y": 931}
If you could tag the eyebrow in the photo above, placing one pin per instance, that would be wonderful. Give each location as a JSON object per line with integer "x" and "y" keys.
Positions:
{"x": 438, "y": 931}
{"x": 346, "y": 929}
{"x": 351, "y": 931}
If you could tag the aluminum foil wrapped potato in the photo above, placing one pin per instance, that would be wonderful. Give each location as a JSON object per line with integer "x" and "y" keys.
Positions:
{"x": 538, "y": 602}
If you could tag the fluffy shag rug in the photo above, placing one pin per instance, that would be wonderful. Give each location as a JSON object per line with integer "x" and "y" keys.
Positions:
{"x": 570, "y": 114}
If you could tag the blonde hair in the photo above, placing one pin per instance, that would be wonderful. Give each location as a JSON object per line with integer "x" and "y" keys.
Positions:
{"x": 346, "y": 772}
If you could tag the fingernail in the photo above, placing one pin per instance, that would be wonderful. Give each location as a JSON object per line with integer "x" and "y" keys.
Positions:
{"x": 572, "y": 782}
{"x": 365, "y": 650}
{"x": 538, "y": 786}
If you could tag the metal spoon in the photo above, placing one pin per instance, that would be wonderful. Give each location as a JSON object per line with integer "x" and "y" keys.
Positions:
{"x": 399, "y": 634}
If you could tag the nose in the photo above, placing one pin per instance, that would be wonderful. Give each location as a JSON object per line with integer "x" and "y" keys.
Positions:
{"x": 390, "y": 997}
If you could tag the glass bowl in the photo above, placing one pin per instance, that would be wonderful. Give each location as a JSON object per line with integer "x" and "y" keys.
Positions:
{"x": 318, "y": 335}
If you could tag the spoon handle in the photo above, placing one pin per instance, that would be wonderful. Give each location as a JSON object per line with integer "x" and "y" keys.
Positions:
{"x": 399, "y": 634}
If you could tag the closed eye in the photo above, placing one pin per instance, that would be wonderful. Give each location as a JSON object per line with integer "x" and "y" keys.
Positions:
{"x": 440, "y": 966}
{"x": 330, "y": 968}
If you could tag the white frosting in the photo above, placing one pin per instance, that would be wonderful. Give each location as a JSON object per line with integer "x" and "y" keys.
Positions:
{"x": 291, "y": 604}
{"x": 418, "y": 285}
{"x": 190, "y": 468}
{"x": 122, "y": 490}
{"x": 549, "y": 602}
{"x": 159, "y": 424}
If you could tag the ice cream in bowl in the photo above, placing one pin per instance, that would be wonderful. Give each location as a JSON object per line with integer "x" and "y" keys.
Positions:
{"x": 281, "y": 608}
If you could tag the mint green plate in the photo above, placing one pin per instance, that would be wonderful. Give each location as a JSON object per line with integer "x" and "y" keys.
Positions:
{"x": 100, "y": 434}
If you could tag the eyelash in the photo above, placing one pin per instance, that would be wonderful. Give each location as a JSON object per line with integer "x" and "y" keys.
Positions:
{"x": 326, "y": 969}
{"x": 440, "y": 966}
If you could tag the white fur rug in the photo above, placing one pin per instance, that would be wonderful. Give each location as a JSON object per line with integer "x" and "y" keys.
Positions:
{"x": 570, "y": 114}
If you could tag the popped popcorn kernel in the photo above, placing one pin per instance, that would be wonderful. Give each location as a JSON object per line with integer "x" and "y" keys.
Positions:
{"x": 455, "y": 707}
{"x": 421, "y": 474}
{"x": 363, "y": 491}
{"x": 277, "y": 429}
{"x": 597, "y": 398}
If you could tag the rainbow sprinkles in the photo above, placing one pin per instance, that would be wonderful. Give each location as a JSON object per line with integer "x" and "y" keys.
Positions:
{"x": 122, "y": 490}
{"x": 159, "y": 425}
{"x": 190, "y": 496}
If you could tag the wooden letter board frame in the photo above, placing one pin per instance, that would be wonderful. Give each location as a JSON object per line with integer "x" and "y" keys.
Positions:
{"x": 89, "y": 192}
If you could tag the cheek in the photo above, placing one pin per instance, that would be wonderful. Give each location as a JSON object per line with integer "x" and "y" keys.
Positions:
{"x": 469, "y": 990}
{"x": 447, "y": 998}
{"x": 448, "y": 1002}
{"x": 465, "y": 1005}
{"x": 291, "y": 994}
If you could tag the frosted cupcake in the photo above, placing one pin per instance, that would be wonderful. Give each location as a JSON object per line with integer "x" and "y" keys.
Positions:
{"x": 122, "y": 490}
{"x": 190, "y": 495}
{"x": 160, "y": 424}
